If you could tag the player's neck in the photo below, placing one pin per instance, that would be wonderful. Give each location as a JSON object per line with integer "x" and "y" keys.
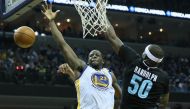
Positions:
{"x": 97, "y": 67}
{"x": 148, "y": 67}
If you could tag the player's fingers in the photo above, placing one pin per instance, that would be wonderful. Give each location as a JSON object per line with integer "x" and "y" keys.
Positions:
{"x": 67, "y": 66}
{"x": 63, "y": 65}
{"x": 43, "y": 8}
{"x": 46, "y": 4}
{"x": 61, "y": 69}
{"x": 50, "y": 6}
{"x": 64, "y": 70}
{"x": 43, "y": 12}
{"x": 56, "y": 12}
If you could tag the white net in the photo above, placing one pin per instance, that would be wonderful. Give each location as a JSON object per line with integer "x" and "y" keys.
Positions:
{"x": 93, "y": 16}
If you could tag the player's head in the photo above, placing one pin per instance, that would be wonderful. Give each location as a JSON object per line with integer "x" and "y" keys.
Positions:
{"x": 153, "y": 55}
{"x": 95, "y": 59}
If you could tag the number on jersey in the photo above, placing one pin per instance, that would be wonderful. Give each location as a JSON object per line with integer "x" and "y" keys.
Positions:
{"x": 139, "y": 86}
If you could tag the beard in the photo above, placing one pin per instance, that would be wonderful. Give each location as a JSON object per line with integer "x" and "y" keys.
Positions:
{"x": 95, "y": 65}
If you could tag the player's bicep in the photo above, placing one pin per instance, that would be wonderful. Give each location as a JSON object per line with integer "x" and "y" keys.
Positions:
{"x": 118, "y": 91}
{"x": 128, "y": 54}
{"x": 116, "y": 86}
{"x": 71, "y": 58}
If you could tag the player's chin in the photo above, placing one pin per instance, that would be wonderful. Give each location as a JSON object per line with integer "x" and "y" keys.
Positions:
{"x": 94, "y": 64}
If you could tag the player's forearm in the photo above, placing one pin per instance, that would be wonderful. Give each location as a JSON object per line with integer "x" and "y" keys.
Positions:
{"x": 117, "y": 104}
{"x": 72, "y": 75}
{"x": 118, "y": 94}
{"x": 164, "y": 101}
{"x": 70, "y": 57}
{"x": 56, "y": 33}
{"x": 111, "y": 36}
{"x": 117, "y": 101}
{"x": 164, "y": 105}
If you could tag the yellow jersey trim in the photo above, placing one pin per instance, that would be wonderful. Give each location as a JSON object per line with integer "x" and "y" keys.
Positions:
{"x": 77, "y": 85}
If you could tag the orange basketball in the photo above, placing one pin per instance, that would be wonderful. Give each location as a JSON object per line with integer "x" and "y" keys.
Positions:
{"x": 24, "y": 37}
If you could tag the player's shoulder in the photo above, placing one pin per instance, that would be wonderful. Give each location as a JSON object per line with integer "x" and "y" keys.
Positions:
{"x": 162, "y": 72}
{"x": 87, "y": 69}
{"x": 105, "y": 70}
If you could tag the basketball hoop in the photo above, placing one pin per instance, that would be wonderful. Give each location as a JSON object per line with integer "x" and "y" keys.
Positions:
{"x": 93, "y": 16}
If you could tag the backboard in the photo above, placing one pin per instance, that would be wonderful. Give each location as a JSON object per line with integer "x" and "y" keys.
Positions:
{"x": 12, "y": 9}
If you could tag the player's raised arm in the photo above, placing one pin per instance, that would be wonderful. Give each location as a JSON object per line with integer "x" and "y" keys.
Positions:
{"x": 70, "y": 56}
{"x": 111, "y": 36}
{"x": 125, "y": 52}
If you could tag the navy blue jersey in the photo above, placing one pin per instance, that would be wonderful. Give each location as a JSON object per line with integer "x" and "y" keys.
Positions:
{"x": 142, "y": 86}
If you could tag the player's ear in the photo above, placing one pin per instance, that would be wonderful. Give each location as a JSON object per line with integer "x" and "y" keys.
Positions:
{"x": 143, "y": 55}
{"x": 87, "y": 62}
{"x": 103, "y": 62}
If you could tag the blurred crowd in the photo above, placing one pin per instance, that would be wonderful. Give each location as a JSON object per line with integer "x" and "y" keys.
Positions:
{"x": 39, "y": 66}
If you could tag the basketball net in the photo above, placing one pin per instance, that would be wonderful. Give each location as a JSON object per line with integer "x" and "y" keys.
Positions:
{"x": 93, "y": 16}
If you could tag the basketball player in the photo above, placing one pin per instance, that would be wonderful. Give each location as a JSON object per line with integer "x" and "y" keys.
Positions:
{"x": 94, "y": 84}
{"x": 65, "y": 69}
{"x": 144, "y": 84}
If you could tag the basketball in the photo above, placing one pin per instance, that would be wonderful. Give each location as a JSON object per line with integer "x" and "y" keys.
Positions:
{"x": 24, "y": 37}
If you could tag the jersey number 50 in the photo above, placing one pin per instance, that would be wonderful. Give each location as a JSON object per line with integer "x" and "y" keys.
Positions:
{"x": 142, "y": 88}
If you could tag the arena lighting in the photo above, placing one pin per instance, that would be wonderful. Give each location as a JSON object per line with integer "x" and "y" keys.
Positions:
{"x": 131, "y": 9}
{"x": 149, "y": 11}
{"x": 168, "y": 13}
{"x": 50, "y": 1}
{"x": 149, "y": 33}
{"x": 58, "y": 23}
{"x": 161, "y": 30}
{"x": 68, "y": 20}
{"x": 117, "y": 7}
{"x": 181, "y": 15}
{"x": 116, "y": 25}
{"x": 2, "y": 24}
{"x": 36, "y": 33}
{"x": 43, "y": 34}
{"x": 19, "y": 68}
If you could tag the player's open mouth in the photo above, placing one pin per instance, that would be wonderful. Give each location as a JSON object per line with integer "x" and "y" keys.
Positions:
{"x": 93, "y": 60}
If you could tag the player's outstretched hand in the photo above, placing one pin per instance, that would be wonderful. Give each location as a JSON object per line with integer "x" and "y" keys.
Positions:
{"x": 47, "y": 11}
{"x": 65, "y": 69}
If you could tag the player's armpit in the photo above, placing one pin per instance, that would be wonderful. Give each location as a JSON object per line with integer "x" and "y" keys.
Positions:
{"x": 164, "y": 101}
